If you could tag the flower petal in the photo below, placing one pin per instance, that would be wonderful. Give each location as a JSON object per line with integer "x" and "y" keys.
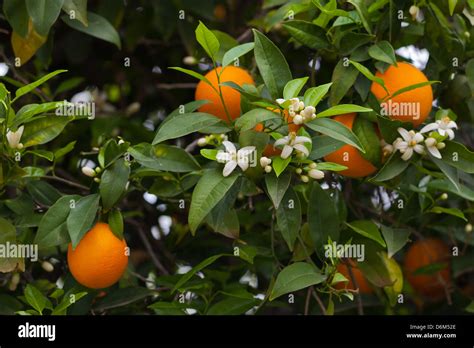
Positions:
{"x": 286, "y": 152}
{"x": 243, "y": 163}
{"x": 450, "y": 134}
{"x": 222, "y": 157}
{"x": 434, "y": 151}
{"x": 229, "y": 147}
{"x": 452, "y": 124}
{"x": 282, "y": 141}
{"x": 418, "y": 137}
{"x": 407, "y": 154}
{"x": 301, "y": 140}
{"x": 229, "y": 168}
{"x": 404, "y": 133}
{"x": 301, "y": 148}
{"x": 419, "y": 149}
{"x": 429, "y": 127}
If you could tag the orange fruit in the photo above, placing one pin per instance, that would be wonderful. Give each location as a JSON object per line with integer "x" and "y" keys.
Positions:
{"x": 424, "y": 253}
{"x": 349, "y": 156}
{"x": 362, "y": 283}
{"x": 413, "y": 106}
{"x": 231, "y": 97}
{"x": 99, "y": 259}
{"x": 220, "y": 12}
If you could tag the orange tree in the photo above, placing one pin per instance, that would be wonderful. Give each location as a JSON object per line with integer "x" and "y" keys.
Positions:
{"x": 321, "y": 164}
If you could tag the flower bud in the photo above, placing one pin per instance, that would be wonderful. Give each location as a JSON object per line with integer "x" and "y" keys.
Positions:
{"x": 121, "y": 141}
{"x": 299, "y": 170}
{"x": 316, "y": 174}
{"x": 202, "y": 142}
{"x": 265, "y": 161}
{"x": 47, "y": 266}
{"x": 430, "y": 142}
{"x": 268, "y": 169}
{"x": 190, "y": 60}
{"x": 97, "y": 180}
{"x": 468, "y": 228}
{"x": 304, "y": 178}
{"x": 414, "y": 11}
{"x": 441, "y": 146}
{"x": 444, "y": 196}
{"x": 298, "y": 119}
{"x": 313, "y": 165}
{"x": 88, "y": 171}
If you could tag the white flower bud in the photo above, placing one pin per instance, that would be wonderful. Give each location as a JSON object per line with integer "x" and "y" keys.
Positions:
{"x": 441, "y": 146}
{"x": 304, "y": 178}
{"x": 298, "y": 171}
{"x": 414, "y": 11}
{"x": 97, "y": 180}
{"x": 202, "y": 142}
{"x": 14, "y": 138}
{"x": 47, "y": 266}
{"x": 190, "y": 60}
{"x": 316, "y": 174}
{"x": 121, "y": 141}
{"x": 280, "y": 101}
{"x": 265, "y": 161}
{"x": 313, "y": 165}
{"x": 268, "y": 169}
{"x": 430, "y": 142}
{"x": 298, "y": 119}
{"x": 444, "y": 196}
{"x": 88, "y": 171}
{"x": 468, "y": 228}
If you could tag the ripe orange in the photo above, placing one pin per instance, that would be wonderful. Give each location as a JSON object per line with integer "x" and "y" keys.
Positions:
{"x": 362, "y": 283}
{"x": 424, "y": 253}
{"x": 401, "y": 76}
{"x": 231, "y": 96}
{"x": 349, "y": 156}
{"x": 99, "y": 259}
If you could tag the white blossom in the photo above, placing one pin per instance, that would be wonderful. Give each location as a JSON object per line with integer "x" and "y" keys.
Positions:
{"x": 409, "y": 144}
{"x": 316, "y": 174}
{"x": 15, "y": 137}
{"x": 88, "y": 171}
{"x": 444, "y": 127}
{"x": 433, "y": 147}
{"x": 265, "y": 161}
{"x": 293, "y": 142}
{"x": 233, "y": 158}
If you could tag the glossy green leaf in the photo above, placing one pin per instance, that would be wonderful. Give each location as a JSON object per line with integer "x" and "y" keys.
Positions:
{"x": 81, "y": 217}
{"x": 236, "y": 52}
{"x": 113, "y": 182}
{"x": 335, "y": 130}
{"x": 288, "y": 216}
{"x": 277, "y": 187}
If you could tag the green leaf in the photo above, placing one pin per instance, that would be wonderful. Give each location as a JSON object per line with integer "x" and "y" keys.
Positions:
{"x": 335, "y": 130}
{"x": 82, "y": 217}
{"x": 314, "y": 95}
{"x": 331, "y": 166}
{"x": 43, "y": 130}
{"x": 207, "y": 40}
{"x": 361, "y": 9}
{"x": 29, "y": 87}
{"x": 210, "y": 190}
{"x": 98, "y": 27}
{"x": 42, "y": 192}
{"x": 307, "y": 33}
{"x": 452, "y": 6}
{"x": 450, "y": 211}
{"x": 63, "y": 151}
{"x": 323, "y": 217}
{"x": 233, "y": 306}
{"x": 52, "y": 230}
{"x": 210, "y": 154}
{"x": 324, "y": 145}
{"x": 123, "y": 297}
{"x": 277, "y": 187}
{"x": 295, "y": 277}
{"x": 458, "y": 156}
{"x": 27, "y": 112}
{"x": 367, "y": 229}
{"x": 412, "y": 87}
{"x": 69, "y": 84}
{"x": 66, "y": 303}
{"x": 255, "y": 116}
{"x": 113, "y": 182}
{"x": 366, "y": 72}
{"x": 392, "y": 168}
{"x": 447, "y": 186}
{"x": 342, "y": 109}
{"x": 78, "y": 9}
{"x": 199, "y": 267}
{"x": 365, "y": 132}
{"x": 36, "y": 299}
{"x": 272, "y": 65}
{"x": 17, "y": 15}
{"x": 343, "y": 77}
{"x": 116, "y": 223}
{"x": 164, "y": 158}
{"x": 43, "y": 13}
{"x": 288, "y": 216}
{"x": 236, "y": 52}
{"x": 294, "y": 87}
{"x": 384, "y": 52}
{"x": 396, "y": 238}
{"x": 224, "y": 220}
{"x": 110, "y": 152}
{"x": 279, "y": 164}
{"x": 48, "y": 155}
{"x": 184, "y": 124}
{"x": 450, "y": 172}
{"x": 194, "y": 74}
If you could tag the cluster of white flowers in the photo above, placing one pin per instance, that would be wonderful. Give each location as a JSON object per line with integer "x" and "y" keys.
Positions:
{"x": 412, "y": 142}
{"x": 291, "y": 143}
{"x": 311, "y": 171}
{"x": 233, "y": 158}
{"x": 14, "y": 138}
{"x": 265, "y": 163}
{"x": 298, "y": 111}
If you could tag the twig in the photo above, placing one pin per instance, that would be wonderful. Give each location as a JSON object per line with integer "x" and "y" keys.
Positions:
{"x": 149, "y": 248}
{"x": 244, "y": 35}
{"x": 319, "y": 301}
{"x": 65, "y": 181}
{"x": 360, "y": 307}
{"x": 308, "y": 298}
{"x": 192, "y": 146}
{"x": 189, "y": 85}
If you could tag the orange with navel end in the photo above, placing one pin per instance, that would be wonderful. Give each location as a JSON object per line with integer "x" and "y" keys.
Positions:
{"x": 412, "y": 106}
{"x": 349, "y": 156}
{"x": 362, "y": 283}
{"x": 422, "y": 254}
{"x": 100, "y": 258}
{"x": 231, "y": 97}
